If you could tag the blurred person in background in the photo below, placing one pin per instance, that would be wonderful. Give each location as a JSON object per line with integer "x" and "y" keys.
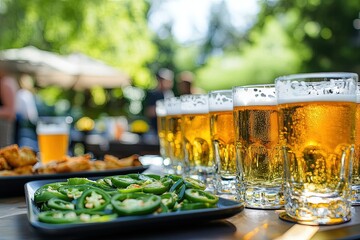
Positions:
{"x": 165, "y": 83}
{"x": 185, "y": 84}
{"x": 27, "y": 113}
{"x": 8, "y": 88}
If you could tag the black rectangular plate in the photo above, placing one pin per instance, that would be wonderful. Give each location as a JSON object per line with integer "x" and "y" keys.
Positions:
{"x": 11, "y": 186}
{"x": 226, "y": 208}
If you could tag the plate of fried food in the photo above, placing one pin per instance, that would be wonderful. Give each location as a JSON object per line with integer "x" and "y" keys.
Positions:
{"x": 19, "y": 165}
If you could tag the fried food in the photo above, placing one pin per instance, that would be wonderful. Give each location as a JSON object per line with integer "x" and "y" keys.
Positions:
{"x": 22, "y": 161}
{"x": 113, "y": 162}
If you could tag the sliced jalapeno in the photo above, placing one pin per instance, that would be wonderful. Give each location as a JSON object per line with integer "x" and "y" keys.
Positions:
{"x": 93, "y": 199}
{"x": 59, "y": 204}
{"x": 194, "y": 183}
{"x": 124, "y": 181}
{"x": 85, "y": 216}
{"x": 197, "y": 195}
{"x": 78, "y": 181}
{"x": 131, "y": 188}
{"x": 48, "y": 191}
{"x": 169, "y": 200}
{"x": 176, "y": 185}
{"x": 173, "y": 177}
{"x": 197, "y": 205}
{"x": 73, "y": 191}
{"x": 58, "y": 217}
{"x": 135, "y": 203}
{"x": 155, "y": 188}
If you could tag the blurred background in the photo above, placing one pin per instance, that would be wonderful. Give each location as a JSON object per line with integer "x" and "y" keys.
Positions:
{"x": 97, "y": 60}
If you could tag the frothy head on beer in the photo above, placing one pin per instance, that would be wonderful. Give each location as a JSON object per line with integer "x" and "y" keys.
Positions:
{"x": 220, "y": 101}
{"x": 194, "y": 104}
{"x": 160, "y": 108}
{"x": 255, "y": 95}
{"x": 173, "y": 105}
{"x": 312, "y": 87}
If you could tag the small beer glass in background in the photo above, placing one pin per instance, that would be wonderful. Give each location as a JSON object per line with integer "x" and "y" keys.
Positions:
{"x": 53, "y": 138}
{"x": 174, "y": 134}
{"x": 317, "y": 123}
{"x": 161, "y": 125}
{"x": 198, "y": 151}
{"x": 258, "y": 152}
{"x": 223, "y": 141}
{"x": 356, "y": 163}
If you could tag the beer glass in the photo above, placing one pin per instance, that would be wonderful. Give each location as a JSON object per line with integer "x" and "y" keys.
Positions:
{"x": 317, "y": 123}
{"x": 223, "y": 142}
{"x": 257, "y": 144}
{"x": 356, "y": 163}
{"x": 174, "y": 134}
{"x": 198, "y": 151}
{"x": 53, "y": 137}
{"x": 161, "y": 125}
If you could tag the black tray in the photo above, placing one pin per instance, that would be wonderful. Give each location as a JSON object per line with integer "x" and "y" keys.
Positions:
{"x": 226, "y": 208}
{"x": 11, "y": 186}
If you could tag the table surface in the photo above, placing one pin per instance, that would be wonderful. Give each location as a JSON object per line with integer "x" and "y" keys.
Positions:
{"x": 249, "y": 224}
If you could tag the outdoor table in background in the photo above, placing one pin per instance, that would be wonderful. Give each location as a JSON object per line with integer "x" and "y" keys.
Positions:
{"x": 249, "y": 224}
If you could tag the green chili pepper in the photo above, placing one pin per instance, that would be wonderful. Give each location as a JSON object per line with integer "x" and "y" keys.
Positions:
{"x": 155, "y": 188}
{"x": 176, "y": 185}
{"x": 154, "y": 176}
{"x": 59, "y": 204}
{"x": 48, "y": 191}
{"x": 93, "y": 199}
{"x": 135, "y": 203}
{"x": 173, "y": 177}
{"x": 124, "y": 181}
{"x": 131, "y": 188}
{"x": 58, "y": 217}
{"x": 85, "y": 216}
{"x": 181, "y": 193}
{"x": 73, "y": 191}
{"x": 169, "y": 200}
{"x": 194, "y": 183}
{"x": 197, "y": 205}
{"x": 197, "y": 195}
{"x": 78, "y": 181}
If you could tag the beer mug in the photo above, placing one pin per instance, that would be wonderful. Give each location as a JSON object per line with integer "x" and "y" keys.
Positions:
{"x": 198, "y": 151}
{"x": 317, "y": 123}
{"x": 223, "y": 142}
{"x": 53, "y": 137}
{"x": 174, "y": 134}
{"x": 356, "y": 164}
{"x": 257, "y": 146}
{"x": 161, "y": 127}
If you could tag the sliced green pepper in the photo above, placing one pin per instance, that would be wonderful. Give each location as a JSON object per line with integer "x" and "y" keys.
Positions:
{"x": 48, "y": 191}
{"x": 131, "y": 188}
{"x": 169, "y": 200}
{"x": 85, "y": 216}
{"x": 155, "y": 187}
{"x": 73, "y": 191}
{"x": 197, "y": 205}
{"x": 93, "y": 199}
{"x": 124, "y": 181}
{"x": 78, "y": 181}
{"x": 194, "y": 183}
{"x": 59, "y": 204}
{"x": 176, "y": 185}
{"x": 181, "y": 193}
{"x": 174, "y": 177}
{"x": 135, "y": 203}
{"x": 58, "y": 217}
{"x": 197, "y": 195}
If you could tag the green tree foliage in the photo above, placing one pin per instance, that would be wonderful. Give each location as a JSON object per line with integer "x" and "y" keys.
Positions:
{"x": 323, "y": 31}
{"x": 113, "y": 31}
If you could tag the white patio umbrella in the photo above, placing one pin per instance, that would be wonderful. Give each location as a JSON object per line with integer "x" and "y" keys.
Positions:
{"x": 76, "y": 71}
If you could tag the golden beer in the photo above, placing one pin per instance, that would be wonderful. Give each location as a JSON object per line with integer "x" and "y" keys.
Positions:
{"x": 174, "y": 138}
{"x": 198, "y": 149}
{"x": 317, "y": 136}
{"x": 223, "y": 138}
{"x": 256, "y": 130}
{"x": 161, "y": 125}
{"x": 53, "y": 146}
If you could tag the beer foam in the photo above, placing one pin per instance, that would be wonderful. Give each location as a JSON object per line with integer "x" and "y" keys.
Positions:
{"x": 261, "y": 95}
{"x": 51, "y": 129}
{"x": 220, "y": 101}
{"x": 333, "y": 90}
{"x": 173, "y": 106}
{"x": 160, "y": 108}
{"x": 194, "y": 104}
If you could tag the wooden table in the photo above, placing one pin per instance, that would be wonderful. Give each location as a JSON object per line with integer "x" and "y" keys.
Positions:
{"x": 249, "y": 224}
